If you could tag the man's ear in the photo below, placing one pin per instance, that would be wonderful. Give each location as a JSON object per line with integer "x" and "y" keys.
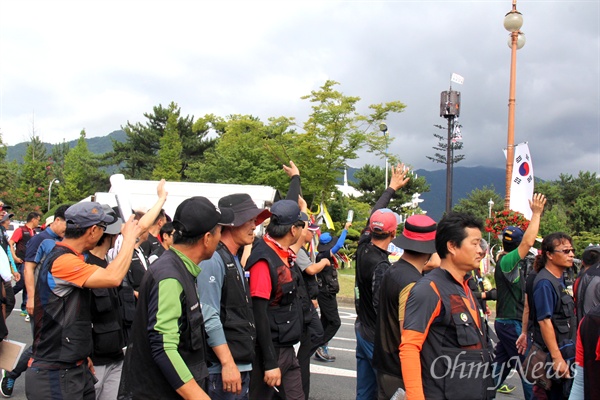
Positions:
{"x": 451, "y": 246}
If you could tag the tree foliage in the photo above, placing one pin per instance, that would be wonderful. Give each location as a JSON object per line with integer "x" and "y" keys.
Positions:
{"x": 370, "y": 181}
{"x": 169, "y": 164}
{"x": 335, "y": 132}
{"x": 138, "y": 155}
{"x": 82, "y": 175}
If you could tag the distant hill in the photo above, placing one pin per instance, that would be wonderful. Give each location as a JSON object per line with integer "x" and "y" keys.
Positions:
{"x": 97, "y": 145}
{"x": 465, "y": 180}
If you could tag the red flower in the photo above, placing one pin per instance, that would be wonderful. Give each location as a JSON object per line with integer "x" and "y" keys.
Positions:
{"x": 503, "y": 219}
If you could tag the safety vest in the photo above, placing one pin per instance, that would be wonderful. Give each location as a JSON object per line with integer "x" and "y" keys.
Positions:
{"x": 63, "y": 334}
{"x": 21, "y": 244}
{"x": 564, "y": 319}
{"x": 141, "y": 376}
{"x": 456, "y": 355}
{"x": 285, "y": 309}
{"x": 236, "y": 312}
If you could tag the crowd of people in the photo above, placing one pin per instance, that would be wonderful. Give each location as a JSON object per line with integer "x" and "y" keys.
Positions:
{"x": 199, "y": 306}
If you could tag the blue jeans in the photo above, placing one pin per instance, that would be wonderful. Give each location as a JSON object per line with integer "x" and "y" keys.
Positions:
{"x": 577, "y": 392}
{"x": 506, "y": 354}
{"x": 216, "y": 392}
{"x": 366, "y": 375}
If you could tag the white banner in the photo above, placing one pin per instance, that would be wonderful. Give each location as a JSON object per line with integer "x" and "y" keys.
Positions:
{"x": 521, "y": 187}
{"x": 456, "y": 78}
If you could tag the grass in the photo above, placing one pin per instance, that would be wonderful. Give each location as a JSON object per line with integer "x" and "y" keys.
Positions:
{"x": 346, "y": 279}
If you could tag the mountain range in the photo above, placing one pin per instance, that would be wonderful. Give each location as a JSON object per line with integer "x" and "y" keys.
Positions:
{"x": 465, "y": 180}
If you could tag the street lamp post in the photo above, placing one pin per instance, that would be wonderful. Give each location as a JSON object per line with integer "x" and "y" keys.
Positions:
{"x": 383, "y": 128}
{"x": 512, "y": 22}
{"x": 490, "y": 205}
{"x": 50, "y": 191}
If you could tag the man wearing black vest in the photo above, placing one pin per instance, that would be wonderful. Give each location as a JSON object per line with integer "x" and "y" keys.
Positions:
{"x": 277, "y": 305}
{"x": 553, "y": 311}
{"x": 62, "y": 313}
{"x": 445, "y": 349}
{"x": 418, "y": 242}
{"x": 226, "y": 304}
{"x": 510, "y": 285}
{"x": 166, "y": 357}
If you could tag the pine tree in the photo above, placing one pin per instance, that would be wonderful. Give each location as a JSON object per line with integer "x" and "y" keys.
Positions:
{"x": 169, "y": 154}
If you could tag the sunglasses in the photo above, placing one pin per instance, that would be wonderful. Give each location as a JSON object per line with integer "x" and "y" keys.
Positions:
{"x": 102, "y": 225}
{"x": 565, "y": 251}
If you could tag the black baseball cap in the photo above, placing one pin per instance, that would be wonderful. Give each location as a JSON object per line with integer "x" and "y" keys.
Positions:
{"x": 197, "y": 215}
{"x": 287, "y": 212}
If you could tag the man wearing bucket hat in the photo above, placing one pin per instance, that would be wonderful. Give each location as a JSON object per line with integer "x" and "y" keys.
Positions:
{"x": 418, "y": 242}
{"x": 226, "y": 304}
{"x": 166, "y": 356}
{"x": 62, "y": 312}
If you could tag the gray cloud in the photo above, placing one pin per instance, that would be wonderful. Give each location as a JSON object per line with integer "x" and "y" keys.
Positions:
{"x": 259, "y": 58}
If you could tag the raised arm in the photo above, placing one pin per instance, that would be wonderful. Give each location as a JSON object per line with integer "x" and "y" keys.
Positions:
{"x": 537, "y": 206}
{"x": 148, "y": 219}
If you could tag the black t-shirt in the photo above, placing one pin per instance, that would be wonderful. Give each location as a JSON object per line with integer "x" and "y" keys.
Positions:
{"x": 150, "y": 244}
{"x": 385, "y": 353}
{"x": 368, "y": 257}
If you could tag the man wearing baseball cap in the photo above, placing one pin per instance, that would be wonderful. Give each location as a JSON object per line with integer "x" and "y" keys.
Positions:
{"x": 510, "y": 285}
{"x": 418, "y": 242}
{"x": 62, "y": 314}
{"x": 277, "y": 305}
{"x": 166, "y": 357}
{"x": 226, "y": 304}
{"x": 371, "y": 262}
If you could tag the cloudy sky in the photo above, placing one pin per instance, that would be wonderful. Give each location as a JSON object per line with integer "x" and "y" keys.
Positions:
{"x": 94, "y": 65}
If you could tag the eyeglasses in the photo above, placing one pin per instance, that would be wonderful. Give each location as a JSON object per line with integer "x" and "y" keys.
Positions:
{"x": 102, "y": 225}
{"x": 565, "y": 251}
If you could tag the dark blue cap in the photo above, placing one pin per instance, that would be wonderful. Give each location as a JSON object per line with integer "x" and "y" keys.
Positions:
{"x": 512, "y": 234}
{"x": 287, "y": 212}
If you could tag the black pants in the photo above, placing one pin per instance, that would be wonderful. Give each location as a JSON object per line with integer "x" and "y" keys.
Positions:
{"x": 20, "y": 285}
{"x": 330, "y": 317}
{"x": 9, "y": 299}
{"x": 61, "y": 384}
{"x": 291, "y": 381}
{"x": 312, "y": 337}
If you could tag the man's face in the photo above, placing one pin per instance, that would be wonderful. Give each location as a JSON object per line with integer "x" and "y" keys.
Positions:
{"x": 59, "y": 226}
{"x": 468, "y": 256}
{"x": 168, "y": 239}
{"x": 36, "y": 222}
{"x": 244, "y": 234}
{"x": 563, "y": 254}
{"x": 6, "y": 223}
{"x": 213, "y": 241}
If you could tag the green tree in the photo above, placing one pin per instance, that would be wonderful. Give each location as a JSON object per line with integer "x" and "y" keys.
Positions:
{"x": 477, "y": 201}
{"x": 137, "y": 156}
{"x": 33, "y": 177}
{"x": 333, "y": 134}
{"x": 241, "y": 155}
{"x": 370, "y": 182}
{"x": 82, "y": 174}
{"x": 8, "y": 176}
{"x": 169, "y": 154}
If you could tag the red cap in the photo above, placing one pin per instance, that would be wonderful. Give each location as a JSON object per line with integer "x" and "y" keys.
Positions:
{"x": 384, "y": 220}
